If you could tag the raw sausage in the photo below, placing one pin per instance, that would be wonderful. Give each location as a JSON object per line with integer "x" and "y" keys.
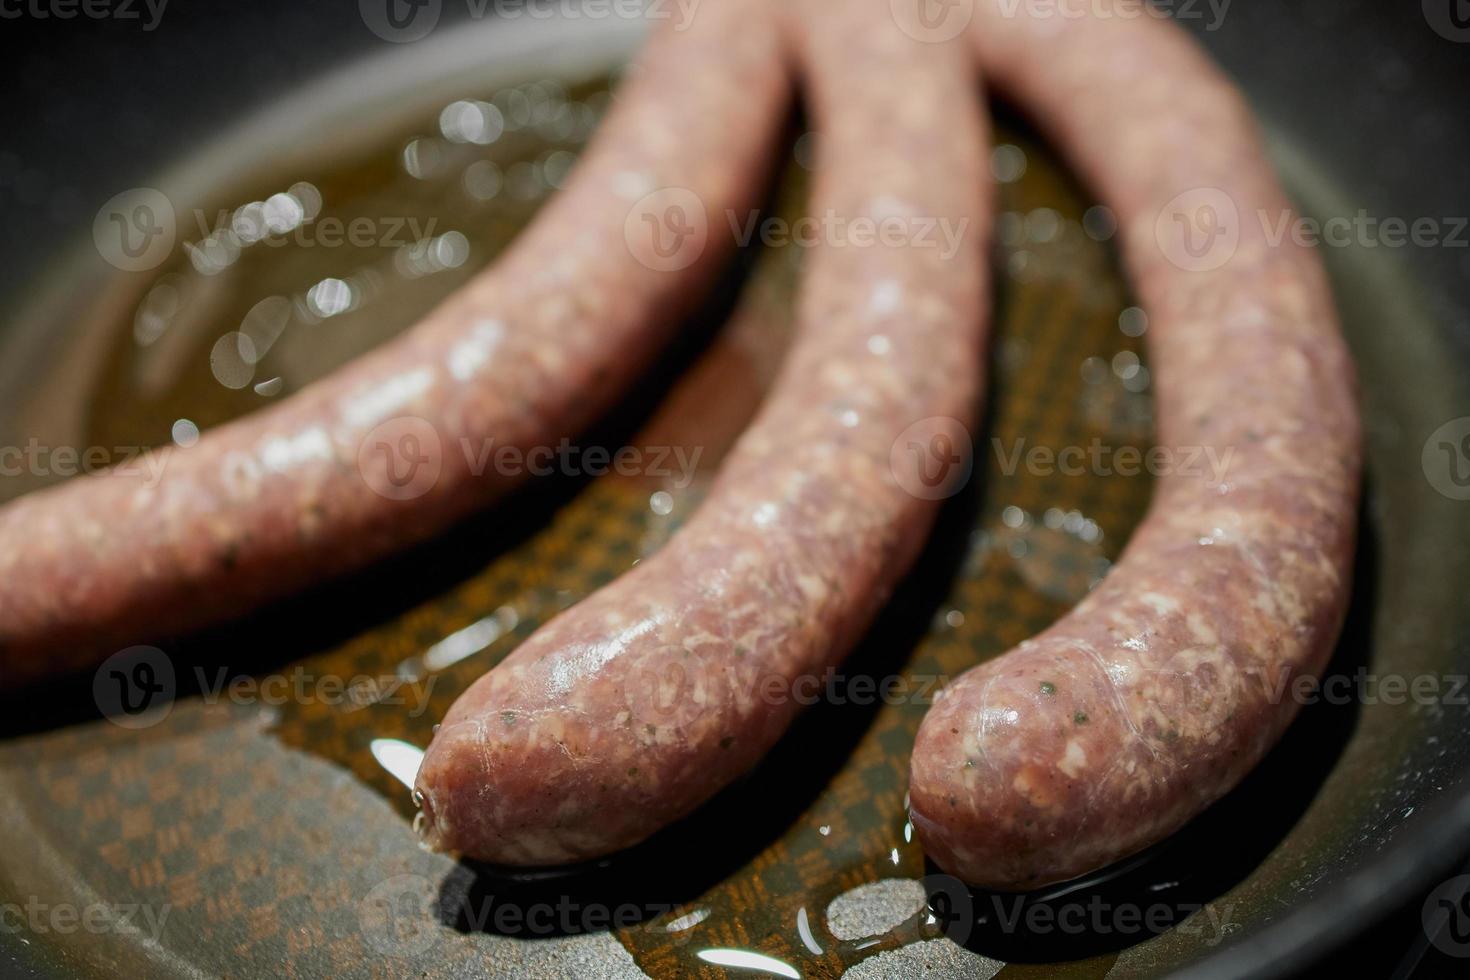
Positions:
{"x": 382, "y": 453}
{"x": 1165, "y": 686}
{"x": 635, "y": 706}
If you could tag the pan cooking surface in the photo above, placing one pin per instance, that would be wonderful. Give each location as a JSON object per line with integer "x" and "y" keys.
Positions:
{"x": 256, "y": 820}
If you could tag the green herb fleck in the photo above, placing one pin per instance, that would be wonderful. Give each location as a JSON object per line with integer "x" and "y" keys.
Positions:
{"x": 1048, "y": 688}
{"x": 1080, "y": 718}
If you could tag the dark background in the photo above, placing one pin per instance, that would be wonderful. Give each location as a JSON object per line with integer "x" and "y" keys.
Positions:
{"x": 95, "y": 106}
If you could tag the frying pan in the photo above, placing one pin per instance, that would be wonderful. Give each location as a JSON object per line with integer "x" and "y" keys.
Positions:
{"x": 267, "y": 832}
